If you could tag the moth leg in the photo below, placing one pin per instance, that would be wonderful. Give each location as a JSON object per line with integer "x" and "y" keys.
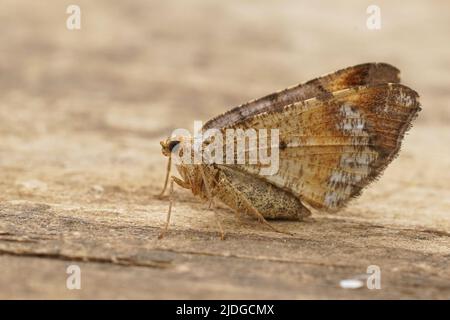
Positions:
{"x": 238, "y": 216}
{"x": 166, "y": 227}
{"x": 208, "y": 190}
{"x": 212, "y": 206}
{"x": 226, "y": 188}
{"x": 217, "y": 192}
{"x": 219, "y": 224}
{"x": 240, "y": 196}
{"x": 181, "y": 183}
{"x": 169, "y": 165}
{"x": 212, "y": 203}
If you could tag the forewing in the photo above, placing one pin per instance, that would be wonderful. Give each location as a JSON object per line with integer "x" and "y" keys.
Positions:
{"x": 363, "y": 74}
{"x": 331, "y": 148}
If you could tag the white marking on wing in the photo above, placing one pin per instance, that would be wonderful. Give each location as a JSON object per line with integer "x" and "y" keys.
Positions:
{"x": 352, "y": 121}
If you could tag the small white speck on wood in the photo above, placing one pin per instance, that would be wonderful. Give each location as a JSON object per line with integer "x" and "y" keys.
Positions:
{"x": 351, "y": 284}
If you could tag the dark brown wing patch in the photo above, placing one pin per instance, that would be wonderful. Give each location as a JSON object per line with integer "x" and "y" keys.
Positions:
{"x": 321, "y": 88}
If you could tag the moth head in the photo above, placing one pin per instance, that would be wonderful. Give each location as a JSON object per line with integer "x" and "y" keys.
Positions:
{"x": 168, "y": 146}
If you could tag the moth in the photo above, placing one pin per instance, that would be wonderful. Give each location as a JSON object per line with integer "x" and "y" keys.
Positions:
{"x": 337, "y": 133}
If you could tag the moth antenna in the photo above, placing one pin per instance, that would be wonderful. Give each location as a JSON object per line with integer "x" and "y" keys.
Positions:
{"x": 169, "y": 166}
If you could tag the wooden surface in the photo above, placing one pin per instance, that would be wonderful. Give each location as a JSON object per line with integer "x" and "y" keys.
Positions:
{"x": 82, "y": 113}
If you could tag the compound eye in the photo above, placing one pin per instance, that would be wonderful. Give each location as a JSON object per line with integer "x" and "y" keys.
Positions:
{"x": 173, "y": 144}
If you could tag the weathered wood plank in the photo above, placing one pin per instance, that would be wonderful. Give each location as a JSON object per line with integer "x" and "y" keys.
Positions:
{"x": 82, "y": 113}
{"x": 250, "y": 263}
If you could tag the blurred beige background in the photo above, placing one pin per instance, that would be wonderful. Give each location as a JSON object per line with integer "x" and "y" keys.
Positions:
{"x": 82, "y": 113}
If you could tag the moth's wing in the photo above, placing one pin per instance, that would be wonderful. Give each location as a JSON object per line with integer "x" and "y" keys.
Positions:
{"x": 363, "y": 74}
{"x": 330, "y": 149}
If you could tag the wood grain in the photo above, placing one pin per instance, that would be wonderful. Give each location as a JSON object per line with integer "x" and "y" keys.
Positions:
{"x": 82, "y": 114}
